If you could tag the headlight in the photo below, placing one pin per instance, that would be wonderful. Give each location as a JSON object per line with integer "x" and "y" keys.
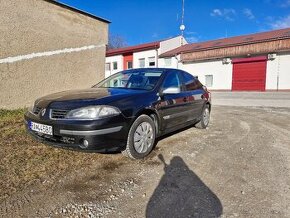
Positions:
{"x": 30, "y": 108}
{"x": 93, "y": 112}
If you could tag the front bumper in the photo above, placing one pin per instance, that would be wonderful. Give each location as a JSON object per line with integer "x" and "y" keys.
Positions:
{"x": 104, "y": 135}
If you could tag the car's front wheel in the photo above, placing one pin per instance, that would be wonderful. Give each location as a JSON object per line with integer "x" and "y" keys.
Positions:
{"x": 141, "y": 138}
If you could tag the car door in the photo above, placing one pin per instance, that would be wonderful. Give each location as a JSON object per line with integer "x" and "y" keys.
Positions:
{"x": 172, "y": 106}
{"x": 194, "y": 92}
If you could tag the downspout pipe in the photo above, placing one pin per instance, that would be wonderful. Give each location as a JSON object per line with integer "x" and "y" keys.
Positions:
{"x": 157, "y": 56}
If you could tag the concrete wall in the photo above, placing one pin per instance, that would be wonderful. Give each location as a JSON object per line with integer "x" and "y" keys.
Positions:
{"x": 170, "y": 44}
{"x": 146, "y": 55}
{"x": 284, "y": 71}
{"x": 271, "y": 74}
{"x": 222, "y": 73}
{"x": 171, "y": 63}
{"x": 46, "y": 48}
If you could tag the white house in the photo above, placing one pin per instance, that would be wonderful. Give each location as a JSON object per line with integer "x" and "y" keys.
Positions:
{"x": 144, "y": 55}
{"x": 256, "y": 62}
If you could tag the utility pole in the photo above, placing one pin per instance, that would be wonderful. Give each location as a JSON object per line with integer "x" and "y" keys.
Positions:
{"x": 182, "y": 26}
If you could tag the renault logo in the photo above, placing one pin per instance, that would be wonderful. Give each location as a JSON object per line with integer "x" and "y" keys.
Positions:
{"x": 43, "y": 111}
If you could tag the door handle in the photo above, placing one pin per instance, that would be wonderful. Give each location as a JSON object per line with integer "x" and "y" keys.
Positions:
{"x": 185, "y": 99}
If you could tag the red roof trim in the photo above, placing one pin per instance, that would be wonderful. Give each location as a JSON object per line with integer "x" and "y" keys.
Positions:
{"x": 131, "y": 49}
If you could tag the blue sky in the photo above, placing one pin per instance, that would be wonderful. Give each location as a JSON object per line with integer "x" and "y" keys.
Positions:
{"x": 143, "y": 21}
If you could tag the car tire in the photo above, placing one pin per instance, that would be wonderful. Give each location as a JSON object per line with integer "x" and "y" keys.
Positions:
{"x": 205, "y": 117}
{"x": 141, "y": 138}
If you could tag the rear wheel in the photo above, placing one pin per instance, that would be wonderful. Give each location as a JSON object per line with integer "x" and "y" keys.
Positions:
{"x": 205, "y": 117}
{"x": 141, "y": 138}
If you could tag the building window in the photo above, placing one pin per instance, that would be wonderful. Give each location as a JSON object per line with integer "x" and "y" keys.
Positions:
{"x": 151, "y": 61}
{"x": 142, "y": 62}
{"x": 167, "y": 62}
{"x": 208, "y": 80}
{"x": 115, "y": 65}
{"x": 108, "y": 66}
{"x": 129, "y": 65}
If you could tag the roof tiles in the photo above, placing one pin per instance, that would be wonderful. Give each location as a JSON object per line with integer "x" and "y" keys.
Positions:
{"x": 228, "y": 42}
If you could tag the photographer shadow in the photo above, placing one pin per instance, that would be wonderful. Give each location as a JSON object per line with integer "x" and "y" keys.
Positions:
{"x": 181, "y": 193}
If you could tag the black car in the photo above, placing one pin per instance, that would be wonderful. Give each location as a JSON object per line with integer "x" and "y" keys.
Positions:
{"x": 126, "y": 112}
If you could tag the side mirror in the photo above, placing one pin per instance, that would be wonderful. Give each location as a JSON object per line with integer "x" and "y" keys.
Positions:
{"x": 171, "y": 90}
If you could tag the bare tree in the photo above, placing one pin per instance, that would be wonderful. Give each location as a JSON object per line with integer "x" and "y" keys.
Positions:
{"x": 116, "y": 41}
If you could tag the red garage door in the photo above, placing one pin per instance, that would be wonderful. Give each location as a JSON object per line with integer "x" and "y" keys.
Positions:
{"x": 249, "y": 74}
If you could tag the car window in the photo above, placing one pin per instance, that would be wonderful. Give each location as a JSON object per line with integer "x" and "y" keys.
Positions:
{"x": 190, "y": 82}
{"x": 171, "y": 81}
{"x": 132, "y": 79}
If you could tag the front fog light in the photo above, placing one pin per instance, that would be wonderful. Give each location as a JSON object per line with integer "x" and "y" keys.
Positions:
{"x": 84, "y": 143}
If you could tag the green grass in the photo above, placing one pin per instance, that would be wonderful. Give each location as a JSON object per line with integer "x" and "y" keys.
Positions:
{"x": 25, "y": 162}
{"x": 6, "y": 114}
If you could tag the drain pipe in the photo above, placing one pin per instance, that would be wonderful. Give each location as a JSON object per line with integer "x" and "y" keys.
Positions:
{"x": 178, "y": 61}
{"x": 278, "y": 73}
{"x": 157, "y": 57}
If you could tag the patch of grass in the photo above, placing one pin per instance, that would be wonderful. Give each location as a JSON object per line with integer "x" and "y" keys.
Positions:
{"x": 6, "y": 114}
{"x": 26, "y": 162}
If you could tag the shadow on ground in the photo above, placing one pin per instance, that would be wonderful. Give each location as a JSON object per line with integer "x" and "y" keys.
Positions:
{"x": 181, "y": 193}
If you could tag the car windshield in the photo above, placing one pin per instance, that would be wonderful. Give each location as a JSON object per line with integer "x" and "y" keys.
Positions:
{"x": 132, "y": 79}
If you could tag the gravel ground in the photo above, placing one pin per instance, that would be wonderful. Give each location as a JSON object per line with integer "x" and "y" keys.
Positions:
{"x": 238, "y": 167}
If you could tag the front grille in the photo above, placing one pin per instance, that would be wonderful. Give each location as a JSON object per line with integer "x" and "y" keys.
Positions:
{"x": 36, "y": 110}
{"x": 58, "y": 114}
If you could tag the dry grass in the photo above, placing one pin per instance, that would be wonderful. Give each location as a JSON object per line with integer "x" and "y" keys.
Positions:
{"x": 24, "y": 162}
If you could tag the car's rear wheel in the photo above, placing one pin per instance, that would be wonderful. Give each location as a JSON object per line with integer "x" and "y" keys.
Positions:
{"x": 205, "y": 117}
{"x": 141, "y": 138}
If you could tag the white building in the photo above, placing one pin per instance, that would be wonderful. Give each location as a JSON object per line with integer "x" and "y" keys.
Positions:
{"x": 256, "y": 62}
{"x": 144, "y": 55}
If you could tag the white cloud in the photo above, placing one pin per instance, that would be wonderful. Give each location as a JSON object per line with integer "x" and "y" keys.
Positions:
{"x": 285, "y": 4}
{"x": 191, "y": 33}
{"x": 248, "y": 13}
{"x": 192, "y": 39}
{"x": 227, "y": 13}
{"x": 281, "y": 23}
{"x": 278, "y": 3}
{"x": 216, "y": 12}
{"x": 191, "y": 36}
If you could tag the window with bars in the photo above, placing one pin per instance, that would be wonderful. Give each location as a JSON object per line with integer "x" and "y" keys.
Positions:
{"x": 108, "y": 66}
{"x": 115, "y": 65}
{"x": 151, "y": 61}
{"x": 142, "y": 62}
{"x": 208, "y": 80}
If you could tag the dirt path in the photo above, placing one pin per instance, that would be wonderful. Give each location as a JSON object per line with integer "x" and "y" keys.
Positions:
{"x": 239, "y": 167}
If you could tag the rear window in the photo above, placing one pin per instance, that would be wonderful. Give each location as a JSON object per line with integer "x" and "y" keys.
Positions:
{"x": 191, "y": 83}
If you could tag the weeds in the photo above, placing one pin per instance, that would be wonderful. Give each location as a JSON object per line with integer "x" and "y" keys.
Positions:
{"x": 25, "y": 162}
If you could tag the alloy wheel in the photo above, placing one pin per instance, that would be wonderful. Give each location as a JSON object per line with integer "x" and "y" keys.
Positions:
{"x": 143, "y": 137}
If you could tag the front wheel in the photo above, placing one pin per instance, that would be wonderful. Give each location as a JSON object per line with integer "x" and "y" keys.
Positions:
{"x": 141, "y": 138}
{"x": 205, "y": 117}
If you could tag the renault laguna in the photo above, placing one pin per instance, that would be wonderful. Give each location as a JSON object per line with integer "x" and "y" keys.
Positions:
{"x": 126, "y": 112}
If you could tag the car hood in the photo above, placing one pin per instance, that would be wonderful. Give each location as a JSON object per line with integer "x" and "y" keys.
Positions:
{"x": 84, "y": 97}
